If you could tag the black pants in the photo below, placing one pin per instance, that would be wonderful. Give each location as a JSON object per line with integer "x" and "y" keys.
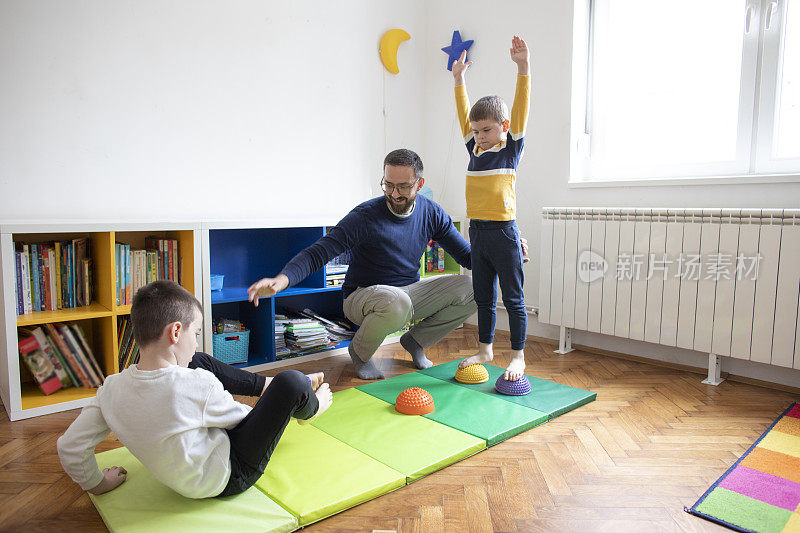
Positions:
{"x": 254, "y": 438}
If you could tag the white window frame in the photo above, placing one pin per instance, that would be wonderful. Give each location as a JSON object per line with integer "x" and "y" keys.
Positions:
{"x": 758, "y": 90}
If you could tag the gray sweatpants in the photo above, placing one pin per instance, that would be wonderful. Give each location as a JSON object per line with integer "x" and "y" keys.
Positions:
{"x": 442, "y": 303}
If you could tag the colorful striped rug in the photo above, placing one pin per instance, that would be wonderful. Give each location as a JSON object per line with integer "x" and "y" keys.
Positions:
{"x": 761, "y": 491}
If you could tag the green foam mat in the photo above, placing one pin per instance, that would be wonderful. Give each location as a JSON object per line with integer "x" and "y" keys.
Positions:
{"x": 314, "y": 475}
{"x": 546, "y": 396}
{"x": 412, "y": 445}
{"x": 473, "y": 412}
{"x": 143, "y": 504}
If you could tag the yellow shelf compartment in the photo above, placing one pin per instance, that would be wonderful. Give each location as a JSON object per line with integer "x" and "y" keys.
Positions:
{"x": 101, "y": 299}
{"x": 32, "y": 396}
{"x": 136, "y": 240}
{"x": 101, "y": 333}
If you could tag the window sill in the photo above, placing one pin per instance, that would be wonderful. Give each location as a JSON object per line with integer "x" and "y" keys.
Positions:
{"x": 704, "y": 180}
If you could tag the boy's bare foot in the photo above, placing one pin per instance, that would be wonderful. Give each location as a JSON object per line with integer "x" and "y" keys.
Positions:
{"x": 316, "y": 379}
{"x": 484, "y": 355}
{"x": 325, "y": 399}
{"x": 516, "y": 367}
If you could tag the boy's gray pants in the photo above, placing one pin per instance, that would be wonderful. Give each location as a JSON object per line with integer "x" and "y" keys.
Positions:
{"x": 442, "y": 303}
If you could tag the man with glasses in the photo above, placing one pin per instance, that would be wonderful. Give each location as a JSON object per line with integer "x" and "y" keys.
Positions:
{"x": 387, "y": 237}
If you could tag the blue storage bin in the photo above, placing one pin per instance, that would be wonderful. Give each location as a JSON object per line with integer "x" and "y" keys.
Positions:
{"x": 231, "y": 347}
{"x": 216, "y": 281}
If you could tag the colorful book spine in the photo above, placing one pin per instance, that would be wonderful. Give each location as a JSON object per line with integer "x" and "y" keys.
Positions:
{"x": 72, "y": 378}
{"x": 39, "y": 365}
{"x": 69, "y": 356}
{"x": 117, "y": 269}
{"x": 59, "y": 287}
{"x": 71, "y": 274}
{"x": 48, "y": 285}
{"x": 72, "y": 343}
{"x": 26, "y": 280}
{"x": 35, "y": 276}
{"x": 20, "y": 294}
{"x": 87, "y": 351}
{"x": 42, "y": 280}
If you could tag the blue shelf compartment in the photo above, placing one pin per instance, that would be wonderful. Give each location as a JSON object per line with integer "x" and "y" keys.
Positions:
{"x": 244, "y": 256}
{"x": 261, "y": 323}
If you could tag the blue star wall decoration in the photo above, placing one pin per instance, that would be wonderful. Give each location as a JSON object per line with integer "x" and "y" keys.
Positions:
{"x": 456, "y": 47}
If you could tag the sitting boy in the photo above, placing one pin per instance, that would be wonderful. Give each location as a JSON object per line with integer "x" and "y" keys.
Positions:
{"x": 174, "y": 410}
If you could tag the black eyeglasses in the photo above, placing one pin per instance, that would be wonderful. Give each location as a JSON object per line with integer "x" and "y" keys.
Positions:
{"x": 402, "y": 188}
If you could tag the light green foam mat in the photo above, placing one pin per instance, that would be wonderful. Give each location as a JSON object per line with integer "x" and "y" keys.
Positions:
{"x": 314, "y": 475}
{"x": 470, "y": 411}
{"x": 412, "y": 445}
{"x": 553, "y": 399}
{"x": 143, "y": 504}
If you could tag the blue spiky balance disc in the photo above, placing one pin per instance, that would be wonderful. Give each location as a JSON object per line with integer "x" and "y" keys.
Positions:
{"x": 521, "y": 387}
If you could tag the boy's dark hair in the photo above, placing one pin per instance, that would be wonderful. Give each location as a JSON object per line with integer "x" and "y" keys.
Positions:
{"x": 490, "y": 107}
{"x": 404, "y": 157}
{"x": 160, "y": 303}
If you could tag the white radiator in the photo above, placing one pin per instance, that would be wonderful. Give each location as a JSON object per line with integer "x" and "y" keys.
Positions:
{"x": 720, "y": 281}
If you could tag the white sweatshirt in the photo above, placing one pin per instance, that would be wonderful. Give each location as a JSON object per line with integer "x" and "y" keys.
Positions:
{"x": 171, "y": 419}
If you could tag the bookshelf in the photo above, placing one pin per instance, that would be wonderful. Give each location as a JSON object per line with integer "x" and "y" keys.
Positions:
{"x": 22, "y": 397}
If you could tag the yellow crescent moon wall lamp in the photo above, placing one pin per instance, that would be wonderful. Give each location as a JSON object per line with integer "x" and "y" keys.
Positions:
{"x": 389, "y": 43}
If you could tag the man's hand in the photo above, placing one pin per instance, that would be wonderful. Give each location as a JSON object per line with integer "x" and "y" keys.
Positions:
{"x": 266, "y": 287}
{"x": 519, "y": 55}
{"x": 112, "y": 478}
{"x": 459, "y": 67}
{"x": 523, "y": 242}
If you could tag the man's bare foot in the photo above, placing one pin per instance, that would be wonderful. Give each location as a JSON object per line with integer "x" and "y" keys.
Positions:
{"x": 516, "y": 367}
{"x": 484, "y": 355}
{"x": 316, "y": 379}
{"x": 325, "y": 399}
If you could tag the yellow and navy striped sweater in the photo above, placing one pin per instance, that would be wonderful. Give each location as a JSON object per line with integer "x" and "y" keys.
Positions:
{"x": 491, "y": 173}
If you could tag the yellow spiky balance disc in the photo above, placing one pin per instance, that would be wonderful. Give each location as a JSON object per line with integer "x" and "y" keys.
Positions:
{"x": 476, "y": 373}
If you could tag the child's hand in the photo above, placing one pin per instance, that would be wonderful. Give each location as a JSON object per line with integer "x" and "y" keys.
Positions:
{"x": 519, "y": 55}
{"x": 523, "y": 243}
{"x": 112, "y": 478}
{"x": 459, "y": 67}
{"x": 266, "y": 287}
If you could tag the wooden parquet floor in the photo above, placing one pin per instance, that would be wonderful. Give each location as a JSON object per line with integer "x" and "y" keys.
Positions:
{"x": 652, "y": 442}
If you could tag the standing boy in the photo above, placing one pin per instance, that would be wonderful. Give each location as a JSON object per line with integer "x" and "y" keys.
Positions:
{"x": 174, "y": 410}
{"x": 495, "y": 142}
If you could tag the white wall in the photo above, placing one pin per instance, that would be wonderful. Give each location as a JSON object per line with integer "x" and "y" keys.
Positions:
{"x": 544, "y": 170}
{"x": 198, "y": 108}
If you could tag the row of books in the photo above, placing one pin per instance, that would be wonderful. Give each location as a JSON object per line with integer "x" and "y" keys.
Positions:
{"x": 281, "y": 350}
{"x": 335, "y": 274}
{"x": 136, "y": 268}
{"x": 310, "y": 334}
{"x": 53, "y": 276}
{"x": 434, "y": 257}
{"x": 59, "y": 356}
{"x": 128, "y": 349}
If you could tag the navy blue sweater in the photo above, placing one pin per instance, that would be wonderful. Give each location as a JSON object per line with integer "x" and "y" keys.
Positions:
{"x": 385, "y": 248}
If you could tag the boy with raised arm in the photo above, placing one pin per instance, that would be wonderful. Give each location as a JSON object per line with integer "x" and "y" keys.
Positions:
{"x": 175, "y": 412}
{"x": 495, "y": 141}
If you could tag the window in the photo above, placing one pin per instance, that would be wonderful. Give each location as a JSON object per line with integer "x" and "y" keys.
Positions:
{"x": 685, "y": 88}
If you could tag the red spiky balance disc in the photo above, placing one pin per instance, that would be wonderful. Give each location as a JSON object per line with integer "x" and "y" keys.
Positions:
{"x": 414, "y": 401}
